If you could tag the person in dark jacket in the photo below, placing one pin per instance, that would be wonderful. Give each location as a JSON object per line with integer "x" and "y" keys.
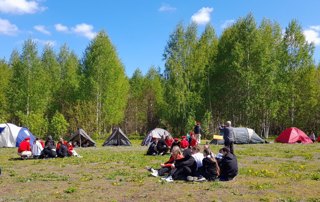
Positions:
{"x": 228, "y": 136}
{"x": 62, "y": 149}
{"x": 162, "y": 147}
{"x": 185, "y": 166}
{"x": 49, "y": 150}
{"x": 228, "y": 165}
{"x": 197, "y": 131}
{"x": 210, "y": 168}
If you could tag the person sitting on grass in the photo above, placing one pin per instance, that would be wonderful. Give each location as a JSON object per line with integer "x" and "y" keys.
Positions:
{"x": 62, "y": 149}
{"x": 228, "y": 165}
{"x": 152, "y": 150}
{"x": 36, "y": 148}
{"x": 198, "y": 156}
{"x": 184, "y": 144}
{"x": 210, "y": 168}
{"x": 165, "y": 167}
{"x": 169, "y": 140}
{"x": 49, "y": 150}
{"x": 24, "y": 150}
{"x": 72, "y": 151}
{"x": 184, "y": 165}
{"x": 162, "y": 147}
{"x": 176, "y": 142}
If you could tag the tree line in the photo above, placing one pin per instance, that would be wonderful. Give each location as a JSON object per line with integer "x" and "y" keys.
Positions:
{"x": 255, "y": 75}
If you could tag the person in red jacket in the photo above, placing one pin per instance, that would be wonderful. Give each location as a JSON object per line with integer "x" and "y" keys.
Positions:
{"x": 184, "y": 144}
{"x": 169, "y": 140}
{"x": 24, "y": 149}
{"x": 167, "y": 166}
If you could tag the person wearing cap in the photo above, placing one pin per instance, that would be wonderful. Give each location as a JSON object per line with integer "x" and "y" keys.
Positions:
{"x": 24, "y": 149}
{"x": 228, "y": 136}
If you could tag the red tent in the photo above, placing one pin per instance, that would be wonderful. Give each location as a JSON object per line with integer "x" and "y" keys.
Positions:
{"x": 293, "y": 135}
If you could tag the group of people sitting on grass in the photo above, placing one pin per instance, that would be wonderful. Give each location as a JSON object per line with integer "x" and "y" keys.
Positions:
{"x": 160, "y": 146}
{"x": 47, "y": 149}
{"x": 190, "y": 164}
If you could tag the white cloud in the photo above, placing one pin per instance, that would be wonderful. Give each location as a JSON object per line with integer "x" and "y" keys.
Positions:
{"x": 166, "y": 8}
{"x": 61, "y": 28}
{"x": 20, "y": 6}
{"x": 84, "y": 30}
{"x": 6, "y": 28}
{"x": 202, "y": 16}
{"x": 227, "y": 24}
{"x": 316, "y": 28}
{"x": 45, "y": 42}
{"x": 313, "y": 34}
{"x": 42, "y": 29}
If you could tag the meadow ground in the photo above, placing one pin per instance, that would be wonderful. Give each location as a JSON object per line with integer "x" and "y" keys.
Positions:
{"x": 267, "y": 172}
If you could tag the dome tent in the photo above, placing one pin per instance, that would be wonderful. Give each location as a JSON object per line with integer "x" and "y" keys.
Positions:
{"x": 243, "y": 136}
{"x": 293, "y": 135}
{"x": 12, "y": 135}
{"x": 157, "y": 132}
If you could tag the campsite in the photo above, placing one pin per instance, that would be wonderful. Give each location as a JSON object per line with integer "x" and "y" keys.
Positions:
{"x": 267, "y": 172}
{"x": 97, "y": 95}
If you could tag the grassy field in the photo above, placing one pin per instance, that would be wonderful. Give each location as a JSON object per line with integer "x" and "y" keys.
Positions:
{"x": 269, "y": 172}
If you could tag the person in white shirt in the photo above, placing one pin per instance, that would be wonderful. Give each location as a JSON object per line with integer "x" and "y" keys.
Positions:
{"x": 36, "y": 148}
{"x": 197, "y": 155}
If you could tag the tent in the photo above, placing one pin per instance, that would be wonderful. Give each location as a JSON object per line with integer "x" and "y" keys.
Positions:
{"x": 242, "y": 136}
{"x": 293, "y": 135}
{"x": 82, "y": 139}
{"x": 12, "y": 135}
{"x": 157, "y": 132}
{"x": 117, "y": 138}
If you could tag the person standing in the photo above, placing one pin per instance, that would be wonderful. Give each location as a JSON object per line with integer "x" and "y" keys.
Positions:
{"x": 228, "y": 136}
{"x": 197, "y": 131}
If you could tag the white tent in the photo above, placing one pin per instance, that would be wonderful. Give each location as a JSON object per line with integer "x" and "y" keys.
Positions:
{"x": 155, "y": 133}
{"x": 12, "y": 135}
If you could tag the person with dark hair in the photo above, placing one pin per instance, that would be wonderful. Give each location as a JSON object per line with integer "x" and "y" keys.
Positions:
{"x": 49, "y": 150}
{"x": 228, "y": 165}
{"x": 169, "y": 140}
{"x": 183, "y": 166}
{"x": 210, "y": 167}
{"x": 62, "y": 149}
{"x": 162, "y": 147}
{"x": 176, "y": 142}
{"x": 228, "y": 136}
{"x": 197, "y": 132}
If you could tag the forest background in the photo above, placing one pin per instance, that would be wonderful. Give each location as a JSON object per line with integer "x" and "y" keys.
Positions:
{"x": 260, "y": 76}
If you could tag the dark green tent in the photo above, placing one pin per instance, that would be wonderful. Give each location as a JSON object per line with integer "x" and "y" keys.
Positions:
{"x": 117, "y": 138}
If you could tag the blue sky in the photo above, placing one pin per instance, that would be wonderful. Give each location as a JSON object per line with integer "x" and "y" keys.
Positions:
{"x": 139, "y": 29}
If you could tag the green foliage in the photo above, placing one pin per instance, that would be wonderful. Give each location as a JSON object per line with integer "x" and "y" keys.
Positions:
{"x": 35, "y": 122}
{"x": 58, "y": 125}
{"x": 105, "y": 83}
{"x": 253, "y": 74}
